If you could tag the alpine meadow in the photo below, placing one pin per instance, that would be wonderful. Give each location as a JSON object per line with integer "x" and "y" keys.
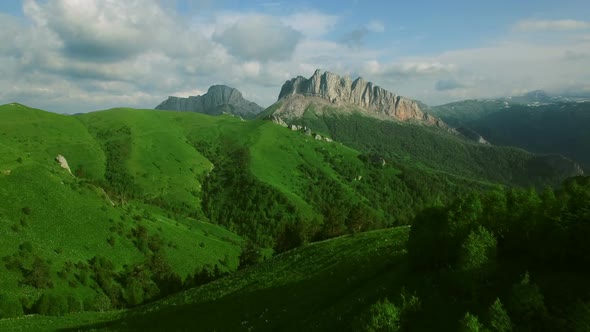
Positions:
{"x": 140, "y": 190}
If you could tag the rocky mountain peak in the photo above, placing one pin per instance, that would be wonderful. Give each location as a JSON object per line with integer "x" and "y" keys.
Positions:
{"x": 219, "y": 99}
{"x": 341, "y": 90}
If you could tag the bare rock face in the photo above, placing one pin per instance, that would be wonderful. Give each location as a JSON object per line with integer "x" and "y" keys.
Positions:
{"x": 342, "y": 91}
{"x": 219, "y": 99}
{"x": 61, "y": 160}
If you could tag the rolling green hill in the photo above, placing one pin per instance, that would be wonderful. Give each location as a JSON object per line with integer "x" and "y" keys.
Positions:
{"x": 505, "y": 260}
{"x": 158, "y": 201}
{"x": 59, "y": 230}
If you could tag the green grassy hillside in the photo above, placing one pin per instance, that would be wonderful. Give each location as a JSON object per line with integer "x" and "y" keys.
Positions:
{"x": 505, "y": 260}
{"x": 159, "y": 200}
{"x": 57, "y": 227}
{"x": 322, "y": 286}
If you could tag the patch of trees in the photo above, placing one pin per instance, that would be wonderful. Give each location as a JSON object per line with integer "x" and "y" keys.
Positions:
{"x": 234, "y": 198}
{"x": 383, "y": 194}
{"x": 111, "y": 287}
{"x": 509, "y": 259}
{"x": 439, "y": 150}
{"x": 117, "y": 144}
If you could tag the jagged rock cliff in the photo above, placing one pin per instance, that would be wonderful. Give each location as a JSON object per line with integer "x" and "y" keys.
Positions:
{"x": 343, "y": 92}
{"x": 219, "y": 99}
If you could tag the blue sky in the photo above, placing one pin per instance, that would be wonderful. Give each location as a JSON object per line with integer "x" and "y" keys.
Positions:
{"x": 83, "y": 55}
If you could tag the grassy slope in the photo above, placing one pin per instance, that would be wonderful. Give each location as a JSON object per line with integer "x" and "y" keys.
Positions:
{"x": 322, "y": 286}
{"x": 162, "y": 162}
{"x": 70, "y": 218}
{"x": 67, "y": 219}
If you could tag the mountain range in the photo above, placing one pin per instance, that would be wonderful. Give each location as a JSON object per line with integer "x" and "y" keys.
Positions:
{"x": 170, "y": 217}
{"x": 536, "y": 122}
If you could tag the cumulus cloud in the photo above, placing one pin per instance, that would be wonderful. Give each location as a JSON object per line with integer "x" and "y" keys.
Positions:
{"x": 312, "y": 24}
{"x": 551, "y": 25}
{"x": 259, "y": 37}
{"x": 83, "y": 55}
{"x": 102, "y": 30}
{"x": 500, "y": 69}
{"x": 64, "y": 52}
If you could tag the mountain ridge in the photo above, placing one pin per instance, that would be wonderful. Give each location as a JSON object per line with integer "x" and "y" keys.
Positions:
{"x": 548, "y": 125}
{"x": 353, "y": 95}
{"x": 219, "y": 99}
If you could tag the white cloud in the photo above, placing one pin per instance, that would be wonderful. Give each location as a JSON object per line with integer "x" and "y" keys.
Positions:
{"x": 551, "y": 25}
{"x": 103, "y": 30}
{"x": 404, "y": 69}
{"x": 312, "y": 24}
{"x": 495, "y": 70}
{"x": 83, "y": 55}
{"x": 259, "y": 37}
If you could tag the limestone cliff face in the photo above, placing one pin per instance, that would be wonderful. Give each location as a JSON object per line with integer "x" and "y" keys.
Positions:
{"x": 342, "y": 91}
{"x": 219, "y": 99}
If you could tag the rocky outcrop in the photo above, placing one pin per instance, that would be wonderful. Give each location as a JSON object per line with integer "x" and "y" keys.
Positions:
{"x": 342, "y": 91}
{"x": 219, "y": 99}
{"x": 61, "y": 160}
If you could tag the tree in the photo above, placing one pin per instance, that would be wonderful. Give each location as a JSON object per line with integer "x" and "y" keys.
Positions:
{"x": 382, "y": 316}
{"x": 499, "y": 319}
{"x": 360, "y": 218}
{"x": 470, "y": 323}
{"x": 52, "y": 304}
{"x": 478, "y": 252}
{"x": 291, "y": 236}
{"x": 527, "y": 303}
{"x": 579, "y": 315}
{"x": 39, "y": 275}
{"x": 250, "y": 255}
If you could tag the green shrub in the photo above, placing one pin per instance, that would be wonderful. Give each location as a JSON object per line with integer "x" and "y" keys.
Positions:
{"x": 470, "y": 323}
{"x": 499, "y": 319}
{"x": 39, "y": 275}
{"x": 382, "y": 316}
{"x": 52, "y": 304}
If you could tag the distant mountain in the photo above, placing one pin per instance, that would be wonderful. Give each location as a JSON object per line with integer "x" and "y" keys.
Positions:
{"x": 380, "y": 123}
{"x": 536, "y": 122}
{"x": 219, "y": 99}
{"x": 326, "y": 91}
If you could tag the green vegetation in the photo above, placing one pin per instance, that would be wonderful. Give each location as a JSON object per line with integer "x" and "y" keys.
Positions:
{"x": 557, "y": 127}
{"x": 450, "y": 278}
{"x": 175, "y": 220}
{"x": 435, "y": 150}
{"x": 140, "y": 217}
{"x": 93, "y": 241}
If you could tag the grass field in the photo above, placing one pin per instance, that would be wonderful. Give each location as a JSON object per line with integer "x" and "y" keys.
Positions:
{"x": 322, "y": 286}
